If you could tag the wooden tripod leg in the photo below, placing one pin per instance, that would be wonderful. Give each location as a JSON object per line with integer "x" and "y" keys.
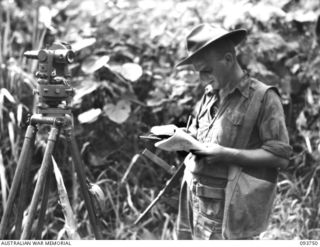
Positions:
{"x": 82, "y": 180}
{"x": 23, "y": 194}
{"x": 44, "y": 203}
{"x": 46, "y": 162}
{"x": 26, "y": 150}
{"x": 45, "y": 197}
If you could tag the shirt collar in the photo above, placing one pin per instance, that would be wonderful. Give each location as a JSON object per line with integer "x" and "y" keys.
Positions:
{"x": 242, "y": 86}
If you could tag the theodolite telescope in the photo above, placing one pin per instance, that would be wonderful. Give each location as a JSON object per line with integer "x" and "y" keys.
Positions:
{"x": 53, "y": 77}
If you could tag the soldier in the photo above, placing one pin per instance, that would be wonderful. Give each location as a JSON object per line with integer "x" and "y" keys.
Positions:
{"x": 229, "y": 186}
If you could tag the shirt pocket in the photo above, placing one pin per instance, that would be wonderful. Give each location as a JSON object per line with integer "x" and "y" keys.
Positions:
{"x": 231, "y": 123}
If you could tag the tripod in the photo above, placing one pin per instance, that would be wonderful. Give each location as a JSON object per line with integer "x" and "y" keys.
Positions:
{"x": 53, "y": 90}
{"x": 57, "y": 124}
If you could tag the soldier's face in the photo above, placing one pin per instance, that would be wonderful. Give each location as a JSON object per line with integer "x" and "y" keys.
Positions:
{"x": 211, "y": 68}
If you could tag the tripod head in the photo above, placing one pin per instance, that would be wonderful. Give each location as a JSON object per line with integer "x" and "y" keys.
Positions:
{"x": 54, "y": 90}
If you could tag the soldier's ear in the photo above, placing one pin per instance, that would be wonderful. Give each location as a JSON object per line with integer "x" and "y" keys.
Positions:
{"x": 229, "y": 59}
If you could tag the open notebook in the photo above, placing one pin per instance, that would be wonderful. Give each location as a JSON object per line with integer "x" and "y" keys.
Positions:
{"x": 175, "y": 139}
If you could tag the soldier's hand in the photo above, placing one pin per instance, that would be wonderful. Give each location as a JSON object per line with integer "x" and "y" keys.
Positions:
{"x": 185, "y": 130}
{"x": 211, "y": 152}
{"x": 190, "y": 131}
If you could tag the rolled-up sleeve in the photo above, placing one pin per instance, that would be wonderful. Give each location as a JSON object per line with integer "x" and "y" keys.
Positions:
{"x": 272, "y": 128}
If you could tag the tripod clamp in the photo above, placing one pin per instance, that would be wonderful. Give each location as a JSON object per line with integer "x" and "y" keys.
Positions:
{"x": 63, "y": 121}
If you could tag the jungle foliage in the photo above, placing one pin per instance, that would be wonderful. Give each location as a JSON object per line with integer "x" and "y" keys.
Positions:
{"x": 126, "y": 82}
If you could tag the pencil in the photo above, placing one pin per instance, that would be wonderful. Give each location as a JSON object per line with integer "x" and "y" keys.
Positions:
{"x": 189, "y": 122}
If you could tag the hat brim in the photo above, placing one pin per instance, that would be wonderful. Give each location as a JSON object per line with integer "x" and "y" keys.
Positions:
{"x": 236, "y": 36}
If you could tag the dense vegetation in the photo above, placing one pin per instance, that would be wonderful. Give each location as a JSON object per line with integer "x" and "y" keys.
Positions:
{"x": 126, "y": 82}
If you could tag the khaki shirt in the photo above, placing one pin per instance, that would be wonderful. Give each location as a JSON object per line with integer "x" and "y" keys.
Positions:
{"x": 270, "y": 132}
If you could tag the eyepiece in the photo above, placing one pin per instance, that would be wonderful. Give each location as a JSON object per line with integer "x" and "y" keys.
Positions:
{"x": 63, "y": 56}
{"x": 70, "y": 56}
{"x": 31, "y": 54}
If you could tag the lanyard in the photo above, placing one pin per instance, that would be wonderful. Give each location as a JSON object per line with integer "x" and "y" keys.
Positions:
{"x": 223, "y": 106}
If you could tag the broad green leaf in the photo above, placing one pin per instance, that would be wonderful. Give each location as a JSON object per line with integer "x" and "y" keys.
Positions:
{"x": 119, "y": 112}
{"x": 269, "y": 42}
{"x": 234, "y": 13}
{"x": 259, "y": 68}
{"x": 302, "y": 15}
{"x": 158, "y": 30}
{"x": 278, "y": 3}
{"x": 89, "y": 116}
{"x": 93, "y": 63}
{"x": 131, "y": 71}
{"x": 84, "y": 43}
{"x": 45, "y": 16}
{"x": 86, "y": 88}
{"x": 157, "y": 97}
{"x": 265, "y": 12}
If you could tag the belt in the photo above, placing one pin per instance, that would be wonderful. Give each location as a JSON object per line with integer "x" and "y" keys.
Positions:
{"x": 204, "y": 186}
{"x": 207, "y": 191}
{"x": 210, "y": 181}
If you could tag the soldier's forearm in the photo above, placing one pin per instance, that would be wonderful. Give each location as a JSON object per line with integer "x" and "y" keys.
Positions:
{"x": 255, "y": 157}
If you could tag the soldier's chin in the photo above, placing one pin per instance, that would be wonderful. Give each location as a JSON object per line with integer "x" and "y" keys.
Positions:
{"x": 215, "y": 84}
{"x": 208, "y": 82}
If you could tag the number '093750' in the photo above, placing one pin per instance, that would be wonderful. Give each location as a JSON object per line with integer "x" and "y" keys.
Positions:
{"x": 308, "y": 242}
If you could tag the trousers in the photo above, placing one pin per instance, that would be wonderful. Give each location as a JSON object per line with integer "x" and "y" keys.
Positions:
{"x": 201, "y": 208}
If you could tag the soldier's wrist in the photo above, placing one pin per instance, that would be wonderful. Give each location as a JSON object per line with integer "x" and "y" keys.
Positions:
{"x": 228, "y": 155}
